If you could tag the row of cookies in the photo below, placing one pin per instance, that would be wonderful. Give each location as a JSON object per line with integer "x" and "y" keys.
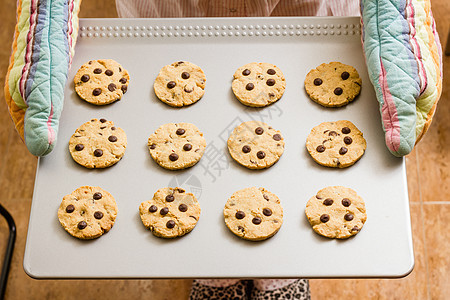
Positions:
{"x": 253, "y": 144}
{"x": 182, "y": 83}
{"x": 252, "y": 213}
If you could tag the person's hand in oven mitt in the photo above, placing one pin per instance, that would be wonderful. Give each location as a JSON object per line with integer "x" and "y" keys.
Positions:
{"x": 401, "y": 45}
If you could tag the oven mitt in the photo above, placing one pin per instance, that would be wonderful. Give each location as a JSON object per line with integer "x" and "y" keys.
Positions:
{"x": 404, "y": 60}
{"x": 42, "y": 52}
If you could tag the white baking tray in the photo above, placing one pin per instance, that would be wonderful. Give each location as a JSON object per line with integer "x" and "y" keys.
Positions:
{"x": 382, "y": 249}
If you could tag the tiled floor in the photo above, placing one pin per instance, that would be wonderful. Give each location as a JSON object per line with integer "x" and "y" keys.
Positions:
{"x": 428, "y": 181}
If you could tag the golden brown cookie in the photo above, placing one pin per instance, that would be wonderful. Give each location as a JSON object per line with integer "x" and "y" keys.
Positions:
{"x": 253, "y": 214}
{"x": 255, "y": 145}
{"x": 258, "y": 84}
{"x": 171, "y": 213}
{"x": 180, "y": 84}
{"x": 98, "y": 144}
{"x": 333, "y": 85}
{"x": 88, "y": 212}
{"x": 336, "y": 212}
{"x": 177, "y": 146}
{"x": 336, "y": 144}
{"x": 101, "y": 82}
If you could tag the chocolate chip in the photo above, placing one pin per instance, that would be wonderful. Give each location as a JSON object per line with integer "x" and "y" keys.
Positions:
{"x": 112, "y": 138}
{"x": 249, "y": 86}
{"x": 97, "y": 196}
{"x": 123, "y": 80}
{"x": 112, "y": 87}
{"x": 271, "y": 72}
{"x": 85, "y": 78}
{"x": 70, "y": 208}
{"x": 113, "y": 128}
{"x": 261, "y": 154}
{"x": 98, "y": 215}
{"x": 109, "y": 72}
{"x": 180, "y": 131}
{"x": 79, "y": 147}
{"x": 267, "y": 212}
{"x": 170, "y": 224}
{"x": 343, "y": 150}
{"x": 98, "y": 152}
{"x": 180, "y": 190}
{"x": 345, "y": 75}
{"x": 277, "y": 137}
{"x": 82, "y": 225}
{"x": 348, "y": 217}
{"x": 246, "y": 72}
{"x": 346, "y": 202}
{"x": 259, "y": 130}
{"x": 187, "y": 90}
{"x": 355, "y": 228}
{"x": 328, "y": 201}
{"x": 97, "y": 71}
{"x": 324, "y": 218}
{"x": 152, "y": 146}
{"x": 256, "y": 220}
{"x": 240, "y": 228}
{"x": 187, "y": 147}
{"x": 90, "y": 62}
{"x": 152, "y": 208}
{"x": 164, "y": 211}
{"x": 120, "y": 69}
{"x": 345, "y": 130}
{"x": 271, "y": 95}
{"x": 183, "y": 207}
{"x": 171, "y": 84}
{"x": 124, "y": 88}
{"x": 338, "y": 91}
{"x": 185, "y": 75}
{"x": 320, "y": 148}
{"x": 170, "y": 198}
{"x": 246, "y": 149}
{"x": 266, "y": 197}
{"x": 332, "y": 133}
{"x": 270, "y": 82}
{"x": 240, "y": 214}
{"x": 348, "y": 140}
{"x": 102, "y": 120}
{"x": 318, "y": 81}
{"x": 173, "y": 156}
{"x": 97, "y": 91}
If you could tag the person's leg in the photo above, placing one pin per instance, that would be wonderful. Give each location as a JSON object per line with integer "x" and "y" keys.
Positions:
{"x": 233, "y": 289}
{"x": 268, "y": 289}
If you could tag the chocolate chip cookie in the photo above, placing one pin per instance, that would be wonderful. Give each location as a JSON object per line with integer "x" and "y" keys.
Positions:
{"x": 258, "y": 84}
{"x": 180, "y": 84}
{"x": 336, "y": 144}
{"x": 253, "y": 214}
{"x": 333, "y": 85}
{"x": 88, "y": 212}
{"x": 98, "y": 144}
{"x": 177, "y": 145}
{"x": 171, "y": 213}
{"x": 336, "y": 212}
{"x": 255, "y": 145}
{"x": 101, "y": 82}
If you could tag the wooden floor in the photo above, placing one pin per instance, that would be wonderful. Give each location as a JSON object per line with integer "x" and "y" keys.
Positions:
{"x": 428, "y": 168}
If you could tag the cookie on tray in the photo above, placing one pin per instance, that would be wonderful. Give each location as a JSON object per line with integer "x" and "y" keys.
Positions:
{"x": 255, "y": 145}
{"x": 101, "y": 82}
{"x": 258, "y": 84}
{"x": 171, "y": 213}
{"x": 177, "y": 146}
{"x": 88, "y": 212}
{"x": 180, "y": 84}
{"x": 336, "y": 144}
{"x": 98, "y": 144}
{"x": 333, "y": 85}
{"x": 253, "y": 214}
{"x": 336, "y": 212}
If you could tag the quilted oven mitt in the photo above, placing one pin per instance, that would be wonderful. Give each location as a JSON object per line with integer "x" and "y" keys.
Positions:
{"x": 404, "y": 60}
{"x": 42, "y": 52}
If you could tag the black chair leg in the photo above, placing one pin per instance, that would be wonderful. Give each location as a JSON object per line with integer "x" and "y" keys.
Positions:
{"x": 9, "y": 250}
